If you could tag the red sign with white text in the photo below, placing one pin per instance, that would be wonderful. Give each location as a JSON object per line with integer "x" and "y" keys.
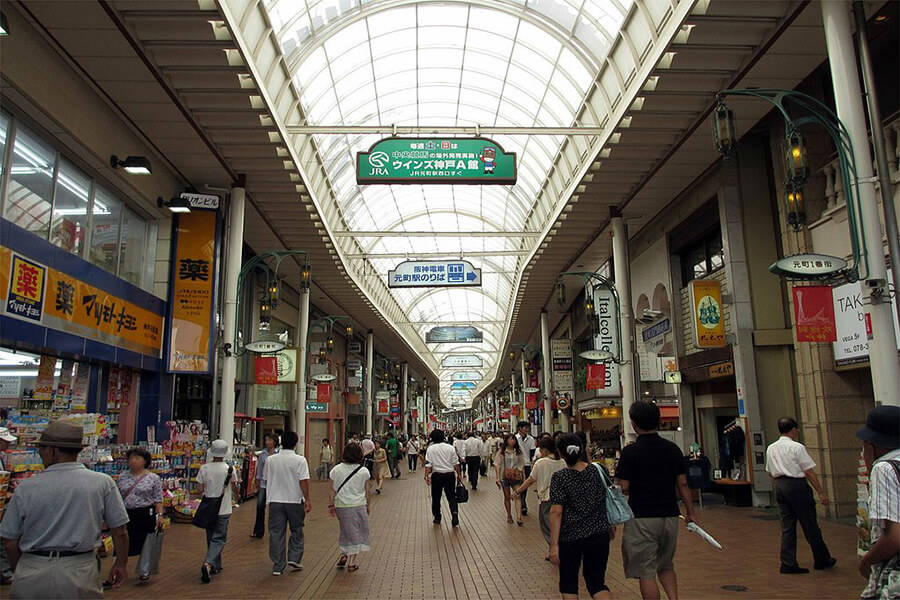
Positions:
{"x": 530, "y": 401}
{"x": 596, "y": 377}
{"x": 266, "y": 370}
{"x": 323, "y": 392}
{"x": 814, "y": 313}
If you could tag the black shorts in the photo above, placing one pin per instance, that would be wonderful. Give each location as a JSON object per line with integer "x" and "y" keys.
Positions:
{"x": 591, "y": 552}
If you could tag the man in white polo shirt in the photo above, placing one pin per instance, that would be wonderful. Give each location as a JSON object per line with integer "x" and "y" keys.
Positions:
{"x": 526, "y": 443}
{"x": 790, "y": 466}
{"x": 287, "y": 496}
{"x": 441, "y": 473}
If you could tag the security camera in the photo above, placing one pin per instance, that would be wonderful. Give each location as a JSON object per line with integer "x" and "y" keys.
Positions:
{"x": 876, "y": 284}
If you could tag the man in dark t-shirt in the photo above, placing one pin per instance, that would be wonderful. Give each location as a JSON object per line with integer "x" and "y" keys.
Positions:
{"x": 651, "y": 472}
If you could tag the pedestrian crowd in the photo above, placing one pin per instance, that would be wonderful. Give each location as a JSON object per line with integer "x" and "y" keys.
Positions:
{"x": 52, "y": 527}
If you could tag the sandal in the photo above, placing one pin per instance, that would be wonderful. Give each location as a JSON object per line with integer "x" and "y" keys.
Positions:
{"x": 352, "y": 568}
{"x": 342, "y": 562}
{"x": 509, "y": 519}
{"x": 520, "y": 522}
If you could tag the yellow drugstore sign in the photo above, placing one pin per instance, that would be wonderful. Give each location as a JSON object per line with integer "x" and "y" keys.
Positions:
{"x": 40, "y": 294}
{"x": 708, "y": 318}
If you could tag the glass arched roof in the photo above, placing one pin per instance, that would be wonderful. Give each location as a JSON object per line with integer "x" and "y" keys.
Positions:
{"x": 511, "y": 63}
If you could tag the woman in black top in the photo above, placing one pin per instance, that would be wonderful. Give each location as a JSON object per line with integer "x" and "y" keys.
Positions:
{"x": 579, "y": 530}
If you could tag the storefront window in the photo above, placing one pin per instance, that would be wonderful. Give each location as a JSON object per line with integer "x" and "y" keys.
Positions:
{"x": 29, "y": 194}
{"x": 134, "y": 244}
{"x": 70, "y": 210}
{"x": 703, "y": 258}
{"x": 107, "y": 218}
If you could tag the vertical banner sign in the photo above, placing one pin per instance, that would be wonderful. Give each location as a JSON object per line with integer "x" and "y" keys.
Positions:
{"x": 607, "y": 339}
{"x": 192, "y": 302}
{"x": 706, "y": 307}
{"x": 814, "y": 313}
{"x": 43, "y": 386}
{"x": 530, "y": 401}
{"x": 561, "y": 356}
{"x": 266, "y": 370}
{"x": 596, "y": 377}
{"x": 323, "y": 392}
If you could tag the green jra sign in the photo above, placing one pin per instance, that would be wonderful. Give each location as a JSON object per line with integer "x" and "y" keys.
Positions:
{"x": 477, "y": 161}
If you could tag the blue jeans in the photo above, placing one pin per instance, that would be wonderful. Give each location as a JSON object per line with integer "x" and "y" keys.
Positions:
{"x": 216, "y": 536}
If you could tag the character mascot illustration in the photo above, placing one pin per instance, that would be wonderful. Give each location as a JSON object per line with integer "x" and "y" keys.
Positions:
{"x": 489, "y": 158}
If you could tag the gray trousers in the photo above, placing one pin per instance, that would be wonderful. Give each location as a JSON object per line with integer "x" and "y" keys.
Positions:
{"x": 280, "y": 516}
{"x": 796, "y": 503}
{"x": 67, "y": 577}
{"x": 544, "y": 520}
{"x": 216, "y": 536}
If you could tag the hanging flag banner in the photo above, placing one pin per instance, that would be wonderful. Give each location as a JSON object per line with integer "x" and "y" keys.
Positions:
{"x": 561, "y": 355}
{"x": 596, "y": 377}
{"x": 192, "y": 296}
{"x": 266, "y": 370}
{"x": 709, "y": 321}
{"x": 434, "y": 273}
{"x": 398, "y": 160}
{"x": 607, "y": 340}
{"x": 453, "y": 335}
{"x": 323, "y": 393}
{"x": 814, "y": 313}
{"x": 530, "y": 401}
{"x": 384, "y": 407}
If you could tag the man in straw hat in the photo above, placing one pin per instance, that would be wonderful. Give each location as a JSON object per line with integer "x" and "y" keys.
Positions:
{"x": 52, "y": 525}
{"x": 881, "y": 451}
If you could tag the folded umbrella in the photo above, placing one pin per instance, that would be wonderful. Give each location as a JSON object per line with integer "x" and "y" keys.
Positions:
{"x": 699, "y": 531}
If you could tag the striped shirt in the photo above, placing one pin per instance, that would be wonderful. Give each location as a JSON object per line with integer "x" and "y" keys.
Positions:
{"x": 884, "y": 494}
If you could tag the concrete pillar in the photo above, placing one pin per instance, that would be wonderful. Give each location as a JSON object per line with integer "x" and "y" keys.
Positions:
{"x": 622, "y": 267}
{"x": 848, "y": 100}
{"x": 370, "y": 379}
{"x": 513, "y": 397}
{"x": 234, "y": 245}
{"x": 302, "y": 343}
{"x": 547, "y": 367}
{"x": 404, "y": 401}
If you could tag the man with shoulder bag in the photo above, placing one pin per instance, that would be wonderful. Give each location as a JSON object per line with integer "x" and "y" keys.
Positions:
{"x": 217, "y": 483}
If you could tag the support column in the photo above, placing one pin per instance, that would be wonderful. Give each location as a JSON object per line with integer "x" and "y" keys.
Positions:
{"x": 404, "y": 400}
{"x": 847, "y": 97}
{"x": 370, "y": 379}
{"x": 234, "y": 245}
{"x": 622, "y": 267}
{"x": 547, "y": 367}
{"x": 522, "y": 410}
{"x": 302, "y": 343}
{"x": 426, "y": 409}
{"x": 513, "y": 397}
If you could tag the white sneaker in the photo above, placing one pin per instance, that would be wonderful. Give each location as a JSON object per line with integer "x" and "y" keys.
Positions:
{"x": 295, "y": 565}
{"x": 276, "y": 573}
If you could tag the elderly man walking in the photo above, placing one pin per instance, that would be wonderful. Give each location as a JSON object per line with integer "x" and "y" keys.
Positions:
{"x": 52, "y": 525}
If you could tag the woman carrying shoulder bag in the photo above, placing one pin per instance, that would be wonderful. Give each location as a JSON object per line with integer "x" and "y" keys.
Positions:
{"x": 510, "y": 465}
{"x": 142, "y": 493}
{"x": 579, "y": 526}
{"x": 348, "y": 500}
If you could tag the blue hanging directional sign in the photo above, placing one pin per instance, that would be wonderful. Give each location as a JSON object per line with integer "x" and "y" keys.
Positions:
{"x": 434, "y": 273}
{"x": 463, "y": 385}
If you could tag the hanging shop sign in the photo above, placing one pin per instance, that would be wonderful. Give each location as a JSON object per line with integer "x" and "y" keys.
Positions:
{"x": 654, "y": 335}
{"x": 814, "y": 313}
{"x": 852, "y": 345}
{"x": 193, "y": 290}
{"x": 323, "y": 393}
{"x": 287, "y": 365}
{"x": 201, "y": 201}
{"x": 463, "y": 385}
{"x": 465, "y": 376}
{"x": 531, "y": 390}
{"x": 530, "y": 401}
{"x": 39, "y": 294}
{"x": 383, "y": 406}
{"x": 563, "y": 402}
{"x": 462, "y": 360}
{"x": 607, "y": 340}
{"x": 398, "y": 160}
{"x": 382, "y": 395}
{"x": 434, "y": 273}
{"x": 316, "y": 407}
{"x": 266, "y": 370}
{"x": 808, "y": 266}
{"x": 354, "y": 347}
{"x": 708, "y": 318}
{"x": 720, "y": 370}
{"x": 596, "y": 377}
{"x": 561, "y": 361}
{"x": 454, "y": 334}
{"x": 264, "y": 347}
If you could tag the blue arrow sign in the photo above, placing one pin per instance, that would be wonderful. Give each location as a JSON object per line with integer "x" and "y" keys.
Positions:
{"x": 434, "y": 273}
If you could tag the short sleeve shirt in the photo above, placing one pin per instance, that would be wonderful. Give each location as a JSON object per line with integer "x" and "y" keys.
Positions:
{"x": 354, "y": 491}
{"x": 442, "y": 458}
{"x": 651, "y": 467}
{"x": 284, "y": 471}
{"x": 582, "y": 495}
{"x": 527, "y": 445}
{"x": 543, "y": 471}
{"x": 145, "y": 491}
{"x": 213, "y": 475}
{"x": 392, "y": 446}
{"x": 63, "y": 509}
{"x": 884, "y": 494}
{"x": 787, "y": 458}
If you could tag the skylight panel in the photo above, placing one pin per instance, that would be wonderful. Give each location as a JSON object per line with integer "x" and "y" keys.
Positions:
{"x": 563, "y": 13}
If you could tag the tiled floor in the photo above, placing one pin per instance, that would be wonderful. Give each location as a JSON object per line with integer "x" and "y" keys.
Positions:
{"x": 484, "y": 558}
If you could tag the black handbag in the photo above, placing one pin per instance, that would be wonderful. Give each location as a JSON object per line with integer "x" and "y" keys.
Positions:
{"x": 208, "y": 512}
{"x": 462, "y": 494}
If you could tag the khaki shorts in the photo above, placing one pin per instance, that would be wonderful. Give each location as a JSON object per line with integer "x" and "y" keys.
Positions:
{"x": 648, "y": 546}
